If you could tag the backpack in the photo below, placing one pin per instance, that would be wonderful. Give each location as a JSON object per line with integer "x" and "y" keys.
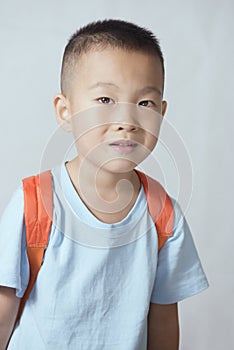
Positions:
{"x": 38, "y": 213}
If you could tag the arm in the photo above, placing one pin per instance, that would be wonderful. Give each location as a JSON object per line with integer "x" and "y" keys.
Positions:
{"x": 163, "y": 327}
{"x": 9, "y": 304}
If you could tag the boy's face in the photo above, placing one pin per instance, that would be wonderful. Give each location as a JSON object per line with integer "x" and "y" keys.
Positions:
{"x": 114, "y": 107}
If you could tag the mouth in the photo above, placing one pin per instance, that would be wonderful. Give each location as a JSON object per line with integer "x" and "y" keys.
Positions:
{"x": 123, "y": 146}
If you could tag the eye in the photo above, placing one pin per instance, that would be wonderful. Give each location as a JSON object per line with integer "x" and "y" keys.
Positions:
{"x": 105, "y": 100}
{"x": 147, "y": 103}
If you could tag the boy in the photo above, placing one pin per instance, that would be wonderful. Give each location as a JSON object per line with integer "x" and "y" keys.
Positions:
{"x": 113, "y": 291}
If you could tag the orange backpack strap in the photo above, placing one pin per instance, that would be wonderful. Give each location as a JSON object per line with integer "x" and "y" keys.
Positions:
{"x": 160, "y": 207}
{"x": 38, "y": 211}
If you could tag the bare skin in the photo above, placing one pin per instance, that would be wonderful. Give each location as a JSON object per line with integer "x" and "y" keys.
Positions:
{"x": 9, "y": 305}
{"x": 163, "y": 327}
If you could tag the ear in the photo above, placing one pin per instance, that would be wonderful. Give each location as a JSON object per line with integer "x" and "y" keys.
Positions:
{"x": 62, "y": 110}
{"x": 164, "y": 107}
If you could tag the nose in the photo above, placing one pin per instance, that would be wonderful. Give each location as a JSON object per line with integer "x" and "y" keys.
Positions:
{"x": 125, "y": 119}
{"x": 124, "y": 127}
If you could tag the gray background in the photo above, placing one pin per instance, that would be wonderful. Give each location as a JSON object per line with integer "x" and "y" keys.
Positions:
{"x": 197, "y": 41}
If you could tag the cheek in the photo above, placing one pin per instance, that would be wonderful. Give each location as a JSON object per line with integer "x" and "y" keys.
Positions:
{"x": 88, "y": 141}
{"x": 150, "y": 141}
{"x": 89, "y": 123}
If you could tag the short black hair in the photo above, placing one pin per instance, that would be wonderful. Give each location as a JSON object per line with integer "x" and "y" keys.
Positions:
{"x": 101, "y": 34}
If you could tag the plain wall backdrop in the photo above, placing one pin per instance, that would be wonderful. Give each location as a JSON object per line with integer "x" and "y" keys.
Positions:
{"x": 197, "y": 41}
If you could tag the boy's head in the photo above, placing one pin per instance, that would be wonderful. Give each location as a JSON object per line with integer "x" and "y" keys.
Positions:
{"x": 112, "y": 92}
{"x": 103, "y": 34}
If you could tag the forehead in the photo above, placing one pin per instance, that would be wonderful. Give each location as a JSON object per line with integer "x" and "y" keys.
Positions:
{"x": 118, "y": 66}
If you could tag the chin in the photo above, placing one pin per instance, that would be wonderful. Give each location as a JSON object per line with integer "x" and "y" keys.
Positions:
{"x": 120, "y": 166}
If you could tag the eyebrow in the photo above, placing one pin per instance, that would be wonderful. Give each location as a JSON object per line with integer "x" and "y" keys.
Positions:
{"x": 144, "y": 90}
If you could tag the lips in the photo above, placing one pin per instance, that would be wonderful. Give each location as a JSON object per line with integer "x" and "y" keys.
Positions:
{"x": 123, "y": 146}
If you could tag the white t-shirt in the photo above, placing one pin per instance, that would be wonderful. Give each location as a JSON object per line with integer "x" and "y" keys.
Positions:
{"x": 97, "y": 280}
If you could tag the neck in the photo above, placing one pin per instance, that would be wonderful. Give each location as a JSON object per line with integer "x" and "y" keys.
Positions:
{"x": 102, "y": 190}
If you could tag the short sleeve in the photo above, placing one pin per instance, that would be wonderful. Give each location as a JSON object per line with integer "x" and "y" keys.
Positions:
{"x": 179, "y": 271}
{"x": 14, "y": 267}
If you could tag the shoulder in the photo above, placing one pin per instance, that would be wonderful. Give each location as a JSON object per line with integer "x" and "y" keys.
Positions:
{"x": 14, "y": 269}
{"x": 179, "y": 215}
{"x": 14, "y": 206}
{"x": 181, "y": 229}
